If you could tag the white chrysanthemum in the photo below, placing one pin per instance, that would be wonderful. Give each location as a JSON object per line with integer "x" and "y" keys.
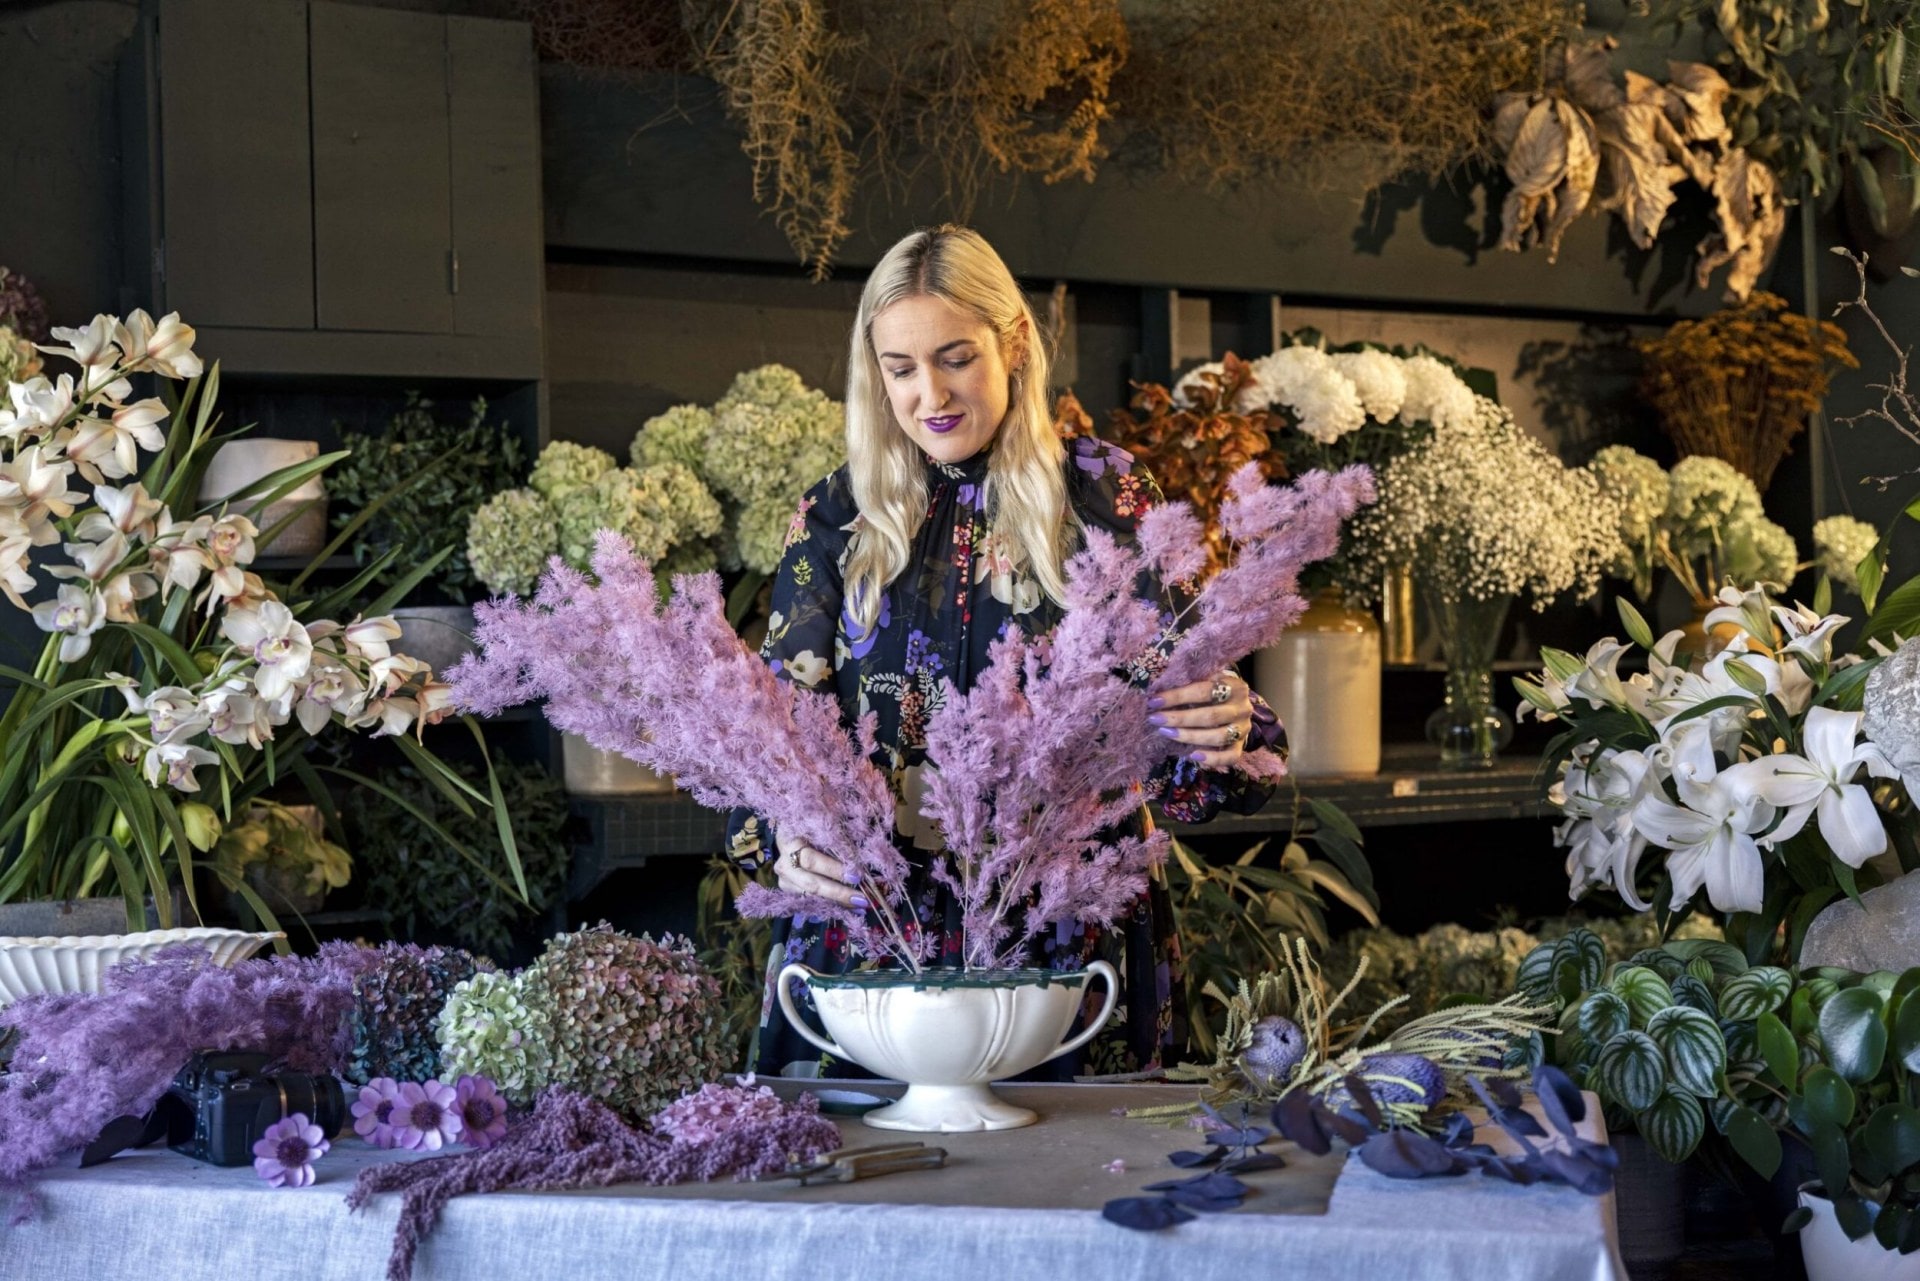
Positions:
{"x": 1708, "y": 502}
{"x": 1840, "y": 543}
{"x": 1324, "y": 403}
{"x": 1376, "y": 376}
{"x": 509, "y": 539}
{"x": 677, "y": 436}
{"x": 1483, "y": 510}
{"x": 1436, "y": 394}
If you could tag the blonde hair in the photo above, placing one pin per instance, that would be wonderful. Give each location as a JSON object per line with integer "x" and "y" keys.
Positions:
{"x": 1026, "y": 489}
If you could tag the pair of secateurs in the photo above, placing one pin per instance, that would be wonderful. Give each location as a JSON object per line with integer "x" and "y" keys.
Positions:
{"x": 844, "y": 1165}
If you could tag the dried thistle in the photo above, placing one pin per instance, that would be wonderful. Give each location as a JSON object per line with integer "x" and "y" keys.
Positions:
{"x": 1739, "y": 384}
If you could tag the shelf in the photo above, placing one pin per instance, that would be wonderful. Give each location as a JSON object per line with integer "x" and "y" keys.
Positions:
{"x": 273, "y": 564}
{"x": 625, "y": 831}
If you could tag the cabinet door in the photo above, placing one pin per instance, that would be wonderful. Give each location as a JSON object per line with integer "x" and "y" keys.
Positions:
{"x": 498, "y": 239}
{"x": 236, "y": 228}
{"x": 381, "y": 216}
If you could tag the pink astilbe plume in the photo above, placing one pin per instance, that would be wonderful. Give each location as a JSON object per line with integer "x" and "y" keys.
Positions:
{"x": 672, "y": 687}
{"x": 1051, "y": 746}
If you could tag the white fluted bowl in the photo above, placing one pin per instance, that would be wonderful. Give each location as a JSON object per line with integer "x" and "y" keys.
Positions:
{"x": 45, "y": 966}
{"x": 947, "y": 1033}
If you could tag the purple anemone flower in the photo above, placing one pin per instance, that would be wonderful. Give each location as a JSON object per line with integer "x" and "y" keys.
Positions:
{"x": 483, "y": 1113}
{"x": 373, "y": 1111}
{"x": 425, "y": 1118}
{"x": 285, "y": 1154}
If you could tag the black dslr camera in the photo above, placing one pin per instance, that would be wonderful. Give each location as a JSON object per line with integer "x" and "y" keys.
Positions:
{"x": 223, "y": 1101}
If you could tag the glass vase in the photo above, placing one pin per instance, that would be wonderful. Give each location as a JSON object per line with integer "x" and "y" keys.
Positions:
{"x": 1469, "y": 728}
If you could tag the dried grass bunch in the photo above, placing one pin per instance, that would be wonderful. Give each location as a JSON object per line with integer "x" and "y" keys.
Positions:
{"x": 1739, "y": 384}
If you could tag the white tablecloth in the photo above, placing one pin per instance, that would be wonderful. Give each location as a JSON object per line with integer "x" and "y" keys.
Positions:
{"x": 1009, "y": 1205}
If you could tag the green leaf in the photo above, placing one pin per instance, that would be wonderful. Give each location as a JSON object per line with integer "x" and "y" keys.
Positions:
{"x": 1646, "y": 994}
{"x": 1777, "y": 1046}
{"x": 1579, "y": 963}
{"x": 1695, "y": 1051}
{"x": 1534, "y": 979}
{"x": 1637, "y": 630}
{"x": 1892, "y": 1135}
{"x": 1906, "y": 1033}
{"x": 1899, "y": 612}
{"x": 1758, "y": 991}
{"x": 1726, "y": 959}
{"x": 1673, "y": 1126}
{"x": 1603, "y": 1016}
{"x": 502, "y": 821}
{"x": 1754, "y": 1140}
{"x": 1852, "y": 1031}
{"x": 1631, "y": 1070}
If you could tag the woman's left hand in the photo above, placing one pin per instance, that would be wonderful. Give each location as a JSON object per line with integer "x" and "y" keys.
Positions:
{"x": 1214, "y": 715}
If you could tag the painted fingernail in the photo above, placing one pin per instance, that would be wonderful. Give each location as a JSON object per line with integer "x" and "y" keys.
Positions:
{"x": 1198, "y": 758}
{"x": 1155, "y": 703}
{"x": 860, "y": 901}
{"x": 1170, "y": 732}
{"x": 1156, "y": 720}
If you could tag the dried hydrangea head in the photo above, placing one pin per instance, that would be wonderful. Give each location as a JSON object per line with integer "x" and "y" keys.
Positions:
{"x": 627, "y": 1020}
{"x": 1840, "y": 543}
{"x": 677, "y": 436}
{"x": 397, "y": 1004}
{"x": 510, "y": 538}
{"x": 564, "y": 466}
{"x": 488, "y": 1029}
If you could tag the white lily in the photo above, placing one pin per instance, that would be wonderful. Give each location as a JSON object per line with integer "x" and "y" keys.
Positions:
{"x": 1808, "y": 633}
{"x": 1599, "y": 791}
{"x": 1710, "y": 839}
{"x": 1821, "y": 784}
{"x": 1599, "y": 683}
{"x": 276, "y": 641}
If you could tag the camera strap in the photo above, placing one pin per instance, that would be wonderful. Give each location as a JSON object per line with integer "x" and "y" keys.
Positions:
{"x": 125, "y": 1132}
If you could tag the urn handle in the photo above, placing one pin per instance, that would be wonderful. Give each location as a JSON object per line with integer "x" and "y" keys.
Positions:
{"x": 1099, "y": 1021}
{"x": 782, "y": 991}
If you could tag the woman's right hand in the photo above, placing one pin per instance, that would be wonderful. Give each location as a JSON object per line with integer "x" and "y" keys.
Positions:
{"x": 802, "y": 869}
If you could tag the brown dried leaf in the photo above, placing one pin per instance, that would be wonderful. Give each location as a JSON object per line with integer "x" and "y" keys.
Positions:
{"x": 1589, "y": 76}
{"x": 1582, "y": 171}
{"x": 1701, "y": 91}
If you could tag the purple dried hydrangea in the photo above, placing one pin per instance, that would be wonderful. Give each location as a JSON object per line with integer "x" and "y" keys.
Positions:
{"x": 627, "y": 1020}
{"x": 22, "y": 309}
{"x": 398, "y": 997}
{"x": 712, "y": 1110}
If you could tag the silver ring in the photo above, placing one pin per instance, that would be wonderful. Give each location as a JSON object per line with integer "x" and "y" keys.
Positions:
{"x": 1222, "y": 689}
{"x": 1233, "y": 735}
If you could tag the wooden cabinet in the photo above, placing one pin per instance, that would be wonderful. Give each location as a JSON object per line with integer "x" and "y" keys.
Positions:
{"x": 329, "y": 188}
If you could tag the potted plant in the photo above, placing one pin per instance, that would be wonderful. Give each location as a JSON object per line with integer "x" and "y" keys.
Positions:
{"x": 407, "y": 846}
{"x": 1030, "y": 836}
{"x": 283, "y": 854}
{"x": 1842, "y": 1074}
{"x": 176, "y": 685}
{"x": 449, "y": 469}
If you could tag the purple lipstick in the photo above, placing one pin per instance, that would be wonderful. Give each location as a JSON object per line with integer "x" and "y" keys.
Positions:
{"x": 943, "y": 425}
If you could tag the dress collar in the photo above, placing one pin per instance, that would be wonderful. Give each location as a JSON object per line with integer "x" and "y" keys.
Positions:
{"x": 970, "y": 471}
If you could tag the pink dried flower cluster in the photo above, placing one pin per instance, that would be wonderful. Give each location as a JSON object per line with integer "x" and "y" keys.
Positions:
{"x": 712, "y": 1110}
{"x": 573, "y": 1141}
{"x": 1049, "y": 749}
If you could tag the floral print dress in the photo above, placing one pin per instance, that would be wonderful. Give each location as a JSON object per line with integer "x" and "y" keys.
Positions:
{"x": 934, "y": 626}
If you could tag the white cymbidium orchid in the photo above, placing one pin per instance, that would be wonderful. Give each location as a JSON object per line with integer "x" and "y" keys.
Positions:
{"x": 165, "y": 348}
{"x": 175, "y": 763}
{"x": 1821, "y": 784}
{"x": 111, "y": 446}
{"x": 277, "y": 642}
{"x": 76, "y": 614}
{"x": 1711, "y": 838}
{"x": 127, "y": 510}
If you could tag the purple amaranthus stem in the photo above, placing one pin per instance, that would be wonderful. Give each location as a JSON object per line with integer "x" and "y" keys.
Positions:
{"x": 1051, "y": 746}
{"x": 672, "y": 687}
{"x": 573, "y": 1141}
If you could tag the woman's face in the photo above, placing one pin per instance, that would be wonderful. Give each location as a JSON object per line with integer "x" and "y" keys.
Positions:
{"x": 945, "y": 376}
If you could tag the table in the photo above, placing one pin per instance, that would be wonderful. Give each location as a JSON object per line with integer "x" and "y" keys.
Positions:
{"x": 1015, "y": 1204}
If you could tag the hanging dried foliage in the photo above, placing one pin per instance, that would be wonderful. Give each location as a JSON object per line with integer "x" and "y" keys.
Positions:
{"x": 1348, "y": 94}
{"x": 1583, "y": 135}
{"x": 831, "y": 92}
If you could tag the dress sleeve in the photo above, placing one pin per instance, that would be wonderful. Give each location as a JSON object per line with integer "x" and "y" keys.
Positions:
{"x": 1112, "y": 491}
{"x": 803, "y": 627}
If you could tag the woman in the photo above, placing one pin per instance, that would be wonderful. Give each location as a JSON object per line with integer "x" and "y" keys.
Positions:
{"x": 951, "y": 521}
